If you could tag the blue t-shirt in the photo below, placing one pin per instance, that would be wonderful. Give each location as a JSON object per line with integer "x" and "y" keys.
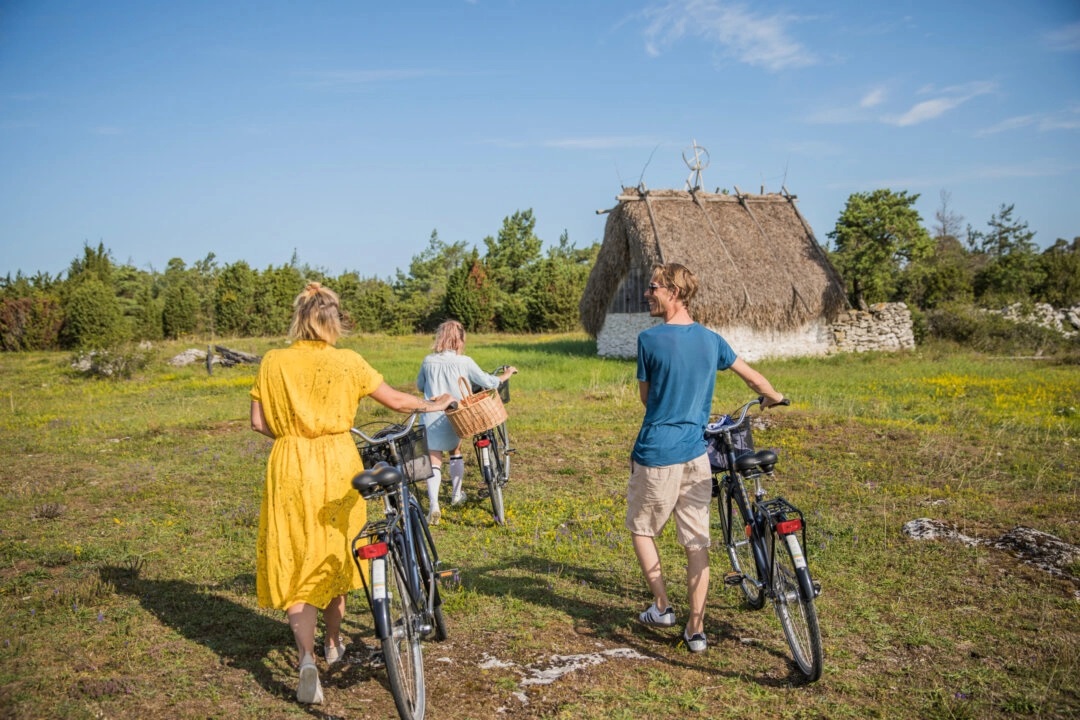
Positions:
{"x": 680, "y": 363}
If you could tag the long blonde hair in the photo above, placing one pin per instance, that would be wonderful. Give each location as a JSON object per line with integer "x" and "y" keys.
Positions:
{"x": 316, "y": 314}
{"x": 450, "y": 335}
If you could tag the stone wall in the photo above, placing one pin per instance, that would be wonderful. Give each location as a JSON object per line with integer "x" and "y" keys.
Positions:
{"x": 885, "y": 326}
{"x": 618, "y": 338}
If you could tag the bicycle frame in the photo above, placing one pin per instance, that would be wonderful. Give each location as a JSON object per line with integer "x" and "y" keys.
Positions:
{"x": 765, "y": 521}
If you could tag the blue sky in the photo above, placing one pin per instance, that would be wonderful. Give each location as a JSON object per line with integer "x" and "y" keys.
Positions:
{"x": 349, "y": 131}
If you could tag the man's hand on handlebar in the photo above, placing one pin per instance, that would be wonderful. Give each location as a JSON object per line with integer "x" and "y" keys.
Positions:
{"x": 777, "y": 399}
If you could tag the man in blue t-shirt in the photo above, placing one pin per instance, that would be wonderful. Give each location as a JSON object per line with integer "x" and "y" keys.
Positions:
{"x": 670, "y": 474}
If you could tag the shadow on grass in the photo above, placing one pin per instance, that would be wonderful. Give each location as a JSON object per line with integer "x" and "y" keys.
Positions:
{"x": 536, "y": 579}
{"x": 241, "y": 637}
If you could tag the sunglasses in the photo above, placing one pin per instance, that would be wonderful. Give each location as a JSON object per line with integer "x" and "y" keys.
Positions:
{"x": 654, "y": 287}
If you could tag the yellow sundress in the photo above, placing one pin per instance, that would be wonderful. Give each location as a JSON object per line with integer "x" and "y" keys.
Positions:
{"x": 309, "y": 394}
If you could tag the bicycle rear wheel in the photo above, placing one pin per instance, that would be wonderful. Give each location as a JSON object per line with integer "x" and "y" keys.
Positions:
{"x": 502, "y": 439}
{"x": 797, "y": 614}
{"x": 402, "y": 651}
{"x": 427, "y": 559}
{"x": 739, "y": 549}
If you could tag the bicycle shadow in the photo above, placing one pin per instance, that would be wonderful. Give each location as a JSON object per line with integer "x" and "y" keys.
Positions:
{"x": 528, "y": 578}
{"x": 243, "y": 638}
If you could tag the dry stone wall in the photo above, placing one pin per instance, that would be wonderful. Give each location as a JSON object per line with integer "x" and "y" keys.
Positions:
{"x": 885, "y": 326}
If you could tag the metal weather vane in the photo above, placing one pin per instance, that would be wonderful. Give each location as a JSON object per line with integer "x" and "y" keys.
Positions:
{"x": 698, "y": 161}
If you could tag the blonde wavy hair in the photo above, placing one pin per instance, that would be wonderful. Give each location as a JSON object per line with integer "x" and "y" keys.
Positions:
{"x": 677, "y": 278}
{"x": 450, "y": 335}
{"x": 316, "y": 315}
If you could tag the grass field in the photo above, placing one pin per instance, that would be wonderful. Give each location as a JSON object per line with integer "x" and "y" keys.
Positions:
{"x": 128, "y": 513}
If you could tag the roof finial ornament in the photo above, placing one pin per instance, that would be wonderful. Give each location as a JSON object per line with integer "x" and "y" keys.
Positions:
{"x": 697, "y": 161}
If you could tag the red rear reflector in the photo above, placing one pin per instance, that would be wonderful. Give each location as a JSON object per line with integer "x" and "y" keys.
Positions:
{"x": 787, "y": 527}
{"x": 747, "y": 530}
{"x": 483, "y": 442}
{"x": 372, "y": 551}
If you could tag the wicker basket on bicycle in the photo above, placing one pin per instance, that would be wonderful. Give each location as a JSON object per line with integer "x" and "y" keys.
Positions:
{"x": 476, "y": 412}
{"x": 412, "y": 450}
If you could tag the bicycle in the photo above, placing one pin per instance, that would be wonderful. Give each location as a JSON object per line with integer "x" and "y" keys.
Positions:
{"x": 763, "y": 568}
{"x": 405, "y": 569}
{"x": 493, "y": 454}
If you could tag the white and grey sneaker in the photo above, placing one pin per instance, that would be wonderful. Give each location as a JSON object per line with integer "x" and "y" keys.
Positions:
{"x": 459, "y": 498}
{"x": 695, "y": 643}
{"x": 654, "y": 618}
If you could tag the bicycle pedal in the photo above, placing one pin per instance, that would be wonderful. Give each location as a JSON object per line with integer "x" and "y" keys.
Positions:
{"x": 817, "y": 588}
{"x": 448, "y": 578}
{"x": 733, "y": 578}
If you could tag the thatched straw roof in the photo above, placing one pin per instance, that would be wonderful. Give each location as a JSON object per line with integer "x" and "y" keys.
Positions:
{"x": 756, "y": 259}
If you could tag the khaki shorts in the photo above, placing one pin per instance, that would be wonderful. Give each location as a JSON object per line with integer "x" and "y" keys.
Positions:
{"x": 683, "y": 490}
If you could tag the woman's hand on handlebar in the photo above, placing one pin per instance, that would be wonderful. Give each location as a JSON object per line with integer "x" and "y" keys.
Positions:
{"x": 508, "y": 370}
{"x": 439, "y": 403}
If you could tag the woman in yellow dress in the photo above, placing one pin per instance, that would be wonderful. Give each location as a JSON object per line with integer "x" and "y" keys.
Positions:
{"x": 305, "y": 397}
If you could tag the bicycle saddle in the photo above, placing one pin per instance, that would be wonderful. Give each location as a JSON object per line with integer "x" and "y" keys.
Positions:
{"x": 381, "y": 477}
{"x": 764, "y": 459}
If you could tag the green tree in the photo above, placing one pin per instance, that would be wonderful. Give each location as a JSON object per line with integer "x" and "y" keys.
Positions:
{"x": 180, "y": 301}
{"x": 878, "y": 234}
{"x": 510, "y": 259}
{"x": 31, "y": 322}
{"x": 1011, "y": 266}
{"x": 556, "y": 287}
{"x": 273, "y": 295}
{"x": 421, "y": 294}
{"x": 470, "y": 295}
{"x": 368, "y": 304}
{"x": 92, "y": 317}
{"x": 234, "y": 300}
{"x": 1061, "y": 274}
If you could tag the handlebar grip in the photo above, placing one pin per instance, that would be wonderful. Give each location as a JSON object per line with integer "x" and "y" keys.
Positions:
{"x": 452, "y": 406}
{"x": 761, "y": 401}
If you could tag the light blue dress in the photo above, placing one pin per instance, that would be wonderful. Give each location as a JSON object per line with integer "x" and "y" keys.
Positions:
{"x": 439, "y": 374}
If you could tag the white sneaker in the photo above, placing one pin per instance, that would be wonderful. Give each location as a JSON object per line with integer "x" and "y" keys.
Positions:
{"x": 334, "y": 653}
{"x": 434, "y": 516}
{"x": 309, "y": 690}
{"x": 459, "y": 498}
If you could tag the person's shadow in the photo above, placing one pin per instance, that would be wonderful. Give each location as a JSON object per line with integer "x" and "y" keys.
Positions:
{"x": 242, "y": 637}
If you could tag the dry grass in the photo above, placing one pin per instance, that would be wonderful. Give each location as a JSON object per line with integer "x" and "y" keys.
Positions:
{"x": 128, "y": 513}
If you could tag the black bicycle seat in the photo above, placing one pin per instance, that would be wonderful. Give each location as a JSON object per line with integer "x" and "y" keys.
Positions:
{"x": 761, "y": 459}
{"x": 381, "y": 477}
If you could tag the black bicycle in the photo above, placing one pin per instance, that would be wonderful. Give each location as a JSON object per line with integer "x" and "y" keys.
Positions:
{"x": 404, "y": 568}
{"x": 762, "y": 567}
{"x": 493, "y": 452}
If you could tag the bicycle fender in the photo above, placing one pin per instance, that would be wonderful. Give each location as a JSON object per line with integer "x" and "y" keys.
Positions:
{"x": 802, "y": 572}
{"x": 380, "y": 601}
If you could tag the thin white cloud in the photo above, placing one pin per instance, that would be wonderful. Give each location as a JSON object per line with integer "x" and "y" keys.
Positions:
{"x": 949, "y": 98}
{"x": 1066, "y": 39}
{"x": 1068, "y": 119}
{"x": 1039, "y": 168}
{"x": 734, "y": 29}
{"x": 873, "y": 98}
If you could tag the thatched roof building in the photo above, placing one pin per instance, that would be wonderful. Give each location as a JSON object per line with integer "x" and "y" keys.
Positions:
{"x": 765, "y": 282}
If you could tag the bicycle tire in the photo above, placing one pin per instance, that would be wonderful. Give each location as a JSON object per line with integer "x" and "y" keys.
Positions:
{"x": 426, "y": 558}
{"x": 502, "y": 437}
{"x": 494, "y": 492}
{"x": 740, "y": 549}
{"x": 797, "y": 613}
{"x": 402, "y": 651}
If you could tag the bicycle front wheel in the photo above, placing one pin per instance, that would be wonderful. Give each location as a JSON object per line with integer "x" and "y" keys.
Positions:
{"x": 797, "y": 614}
{"x": 402, "y": 651}
{"x": 740, "y": 551}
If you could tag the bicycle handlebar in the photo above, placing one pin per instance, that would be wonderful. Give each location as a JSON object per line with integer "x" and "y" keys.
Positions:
{"x": 389, "y": 437}
{"x": 735, "y": 421}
